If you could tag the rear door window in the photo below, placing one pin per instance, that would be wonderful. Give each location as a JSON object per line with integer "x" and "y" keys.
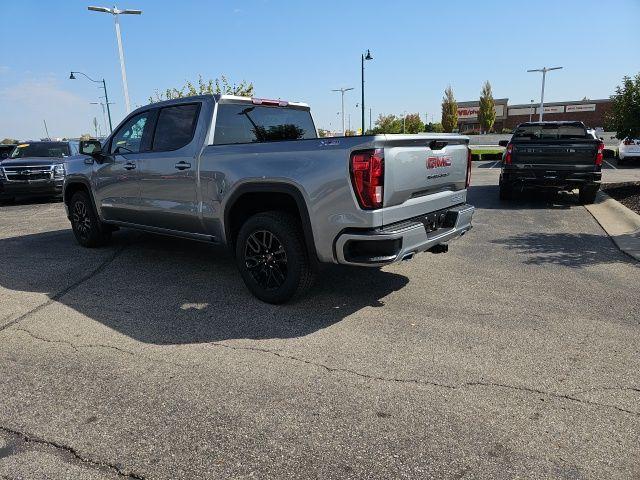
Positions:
{"x": 246, "y": 123}
{"x": 175, "y": 127}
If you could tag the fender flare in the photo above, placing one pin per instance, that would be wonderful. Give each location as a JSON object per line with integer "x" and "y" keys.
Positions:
{"x": 274, "y": 187}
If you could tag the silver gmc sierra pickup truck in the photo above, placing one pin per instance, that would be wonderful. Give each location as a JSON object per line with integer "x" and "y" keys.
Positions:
{"x": 252, "y": 174}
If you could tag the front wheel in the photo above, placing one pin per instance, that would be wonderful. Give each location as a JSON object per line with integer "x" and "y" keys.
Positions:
{"x": 86, "y": 225}
{"x": 587, "y": 194}
{"x": 272, "y": 257}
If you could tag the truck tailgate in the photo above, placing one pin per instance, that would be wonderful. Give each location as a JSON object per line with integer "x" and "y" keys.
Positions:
{"x": 423, "y": 174}
{"x": 557, "y": 154}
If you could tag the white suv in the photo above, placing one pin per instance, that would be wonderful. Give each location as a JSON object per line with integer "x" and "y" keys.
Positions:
{"x": 628, "y": 149}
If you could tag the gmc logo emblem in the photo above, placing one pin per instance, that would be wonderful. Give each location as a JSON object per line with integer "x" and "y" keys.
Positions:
{"x": 437, "y": 162}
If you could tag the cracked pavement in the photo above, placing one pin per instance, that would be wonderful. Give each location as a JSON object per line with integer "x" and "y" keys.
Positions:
{"x": 514, "y": 355}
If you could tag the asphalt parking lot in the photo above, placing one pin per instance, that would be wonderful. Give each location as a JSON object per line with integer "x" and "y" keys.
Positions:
{"x": 515, "y": 355}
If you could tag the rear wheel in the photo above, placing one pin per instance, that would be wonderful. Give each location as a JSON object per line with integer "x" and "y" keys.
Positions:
{"x": 506, "y": 191}
{"x": 587, "y": 194}
{"x": 272, "y": 257}
{"x": 87, "y": 228}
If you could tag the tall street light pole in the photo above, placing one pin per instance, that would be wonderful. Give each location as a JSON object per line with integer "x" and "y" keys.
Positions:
{"x": 544, "y": 71}
{"x": 364, "y": 57}
{"x": 342, "y": 90}
{"x": 106, "y": 96}
{"x": 115, "y": 12}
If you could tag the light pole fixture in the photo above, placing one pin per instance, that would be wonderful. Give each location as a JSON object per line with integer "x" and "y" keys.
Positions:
{"x": 544, "y": 71}
{"x": 342, "y": 90}
{"x": 363, "y": 58}
{"x": 104, "y": 86}
{"x": 115, "y": 12}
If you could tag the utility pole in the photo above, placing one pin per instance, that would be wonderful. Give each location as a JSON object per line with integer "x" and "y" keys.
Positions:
{"x": 370, "y": 119}
{"x": 342, "y": 90}
{"x": 363, "y": 58}
{"x": 104, "y": 87}
{"x": 531, "y": 110}
{"x": 115, "y": 12}
{"x": 46, "y": 129}
{"x": 544, "y": 71}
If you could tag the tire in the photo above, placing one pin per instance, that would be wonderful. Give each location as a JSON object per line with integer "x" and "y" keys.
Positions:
{"x": 89, "y": 231}
{"x": 506, "y": 192}
{"x": 621, "y": 161}
{"x": 272, "y": 257}
{"x": 587, "y": 194}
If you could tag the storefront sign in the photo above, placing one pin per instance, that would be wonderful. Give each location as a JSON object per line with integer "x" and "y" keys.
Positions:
{"x": 587, "y": 107}
{"x": 553, "y": 109}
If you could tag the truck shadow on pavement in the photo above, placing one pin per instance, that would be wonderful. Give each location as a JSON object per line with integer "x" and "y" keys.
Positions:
{"x": 574, "y": 250}
{"x": 160, "y": 290}
{"x": 486, "y": 197}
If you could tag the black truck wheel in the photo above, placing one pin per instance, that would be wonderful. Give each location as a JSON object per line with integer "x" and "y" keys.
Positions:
{"x": 506, "y": 191}
{"x": 587, "y": 194}
{"x": 87, "y": 228}
{"x": 272, "y": 257}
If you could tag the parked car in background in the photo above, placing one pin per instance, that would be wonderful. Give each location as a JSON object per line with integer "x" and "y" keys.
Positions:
{"x": 5, "y": 150}
{"x": 35, "y": 169}
{"x": 552, "y": 155}
{"x": 628, "y": 150}
{"x": 251, "y": 174}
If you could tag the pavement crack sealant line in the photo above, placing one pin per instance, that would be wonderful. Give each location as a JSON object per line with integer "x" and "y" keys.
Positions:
{"x": 72, "y": 451}
{"x": 105, "y": 263}
{"x": 327, "y": 368}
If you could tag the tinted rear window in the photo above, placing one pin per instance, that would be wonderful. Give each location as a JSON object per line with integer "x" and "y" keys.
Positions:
{"x": 175, "y": 127}
{"x": 551, "y": 132}
{"x": 255, "y": 124}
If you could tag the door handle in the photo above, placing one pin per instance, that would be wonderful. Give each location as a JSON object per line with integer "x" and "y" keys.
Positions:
{"x": 182, "y": 165}
{"x": 129, "y": 166}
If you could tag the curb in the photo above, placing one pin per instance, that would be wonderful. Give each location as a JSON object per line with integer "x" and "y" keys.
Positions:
{"x": 621, "y": 223}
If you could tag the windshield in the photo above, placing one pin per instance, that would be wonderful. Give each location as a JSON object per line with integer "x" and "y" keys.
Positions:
{"x": 550, "y": 131}
{"x": 250, "y": 124}
{"x": 41, "y": 149}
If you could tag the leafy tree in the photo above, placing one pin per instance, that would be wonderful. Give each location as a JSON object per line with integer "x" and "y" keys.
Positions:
{"x": 387, "y": 124}
{"x": 433, "y": 127}
{"x": 86, "y": 136}
{"x": 9, "y": 141}
{"x": 211, "y": 86}
{"x": 624, "y": 118}
{"x": 486, "y": 111}
{"x": 449, "y": 111}
{"x": 323, "y": 133}
{"x": 413, "y": 124}
{"x": 349, "y": 133}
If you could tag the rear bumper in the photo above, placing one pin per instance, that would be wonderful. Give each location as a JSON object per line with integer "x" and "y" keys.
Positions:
{"x": 36, "y": 188}
{"x": 529, "y": 177}
{"x": 402, "y": 240}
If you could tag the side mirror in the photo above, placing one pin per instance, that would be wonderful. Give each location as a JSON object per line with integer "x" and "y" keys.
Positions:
{"x": 503, "y": 143}
{"x": 90, "y": 147}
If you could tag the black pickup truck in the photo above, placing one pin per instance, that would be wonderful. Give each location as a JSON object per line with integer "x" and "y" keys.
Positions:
{"x": 554, "y": 155}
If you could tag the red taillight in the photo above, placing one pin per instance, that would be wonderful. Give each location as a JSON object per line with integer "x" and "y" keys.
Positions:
{"x": 507, "y": 156}
{"x": 628, "y": 141}
{"x": 468, "y": 168}
{"x": 367, "y": 177}
{"x": 600, "y": 154}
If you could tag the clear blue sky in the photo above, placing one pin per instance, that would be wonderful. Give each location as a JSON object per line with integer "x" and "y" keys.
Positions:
{"x": 300, "y": 50}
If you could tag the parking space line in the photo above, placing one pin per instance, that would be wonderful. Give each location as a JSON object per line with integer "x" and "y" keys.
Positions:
{"x": 494, "y": 164}
{"x": 610, "y": 165}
